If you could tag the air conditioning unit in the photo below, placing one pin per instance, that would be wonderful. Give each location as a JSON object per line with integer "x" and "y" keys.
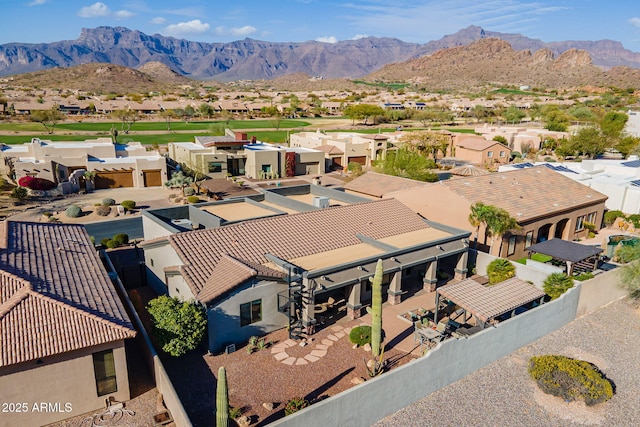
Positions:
{"x": 320, "y": 202}
{"x": 184, "y": 222}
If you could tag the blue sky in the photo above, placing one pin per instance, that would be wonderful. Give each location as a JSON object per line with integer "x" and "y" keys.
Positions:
{"x": 36, "y": 21}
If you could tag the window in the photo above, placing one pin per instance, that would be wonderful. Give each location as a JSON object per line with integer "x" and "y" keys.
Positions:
{"x": 266, "y": 168}
{"x": 592, "y": 217}
{"x": 512, "y": 246}
{"x": 580, "y": 222}
{"x": 502, "y": 154}
{"x": 151, "y": 262}
{"x": 215, "y": 167}
{"x": 250, "y": 312}
{"x": 104, "y": 368}
{"x": 489, "y": 154}
{"x": 528, "y": 239}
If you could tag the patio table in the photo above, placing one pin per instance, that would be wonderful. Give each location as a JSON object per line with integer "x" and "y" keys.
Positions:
{"x": 427, "y": 334}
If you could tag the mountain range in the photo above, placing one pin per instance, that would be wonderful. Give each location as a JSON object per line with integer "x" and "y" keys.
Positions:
{"x": 250, "y": 59}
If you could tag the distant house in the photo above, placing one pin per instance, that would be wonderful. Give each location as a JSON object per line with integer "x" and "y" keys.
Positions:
{"x": 477, "y": 150}
{"x": 545, "y": 204}
{"x": 115, "y": 165}
{"x": 62, "y": 325}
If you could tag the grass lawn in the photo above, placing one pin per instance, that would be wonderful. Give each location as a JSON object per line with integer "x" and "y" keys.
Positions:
{"x": 536, "y": 257}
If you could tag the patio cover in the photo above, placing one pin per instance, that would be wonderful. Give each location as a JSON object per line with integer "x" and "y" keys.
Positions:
{"x": 488, "y": 302}
{"x": 564, "y": 250}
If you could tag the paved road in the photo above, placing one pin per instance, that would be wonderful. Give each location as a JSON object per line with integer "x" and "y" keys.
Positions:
{"x": 106, "y": 229}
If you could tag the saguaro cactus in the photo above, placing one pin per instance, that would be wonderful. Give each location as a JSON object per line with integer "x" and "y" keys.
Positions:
{"x": 222, "y": 399}
{"x": 376, "y": 311}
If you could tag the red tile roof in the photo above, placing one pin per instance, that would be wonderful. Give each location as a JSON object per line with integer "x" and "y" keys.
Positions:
{"x": 378, "y": 184}
{"x": 287, "y": 237}
{"x": 55, "y": 295}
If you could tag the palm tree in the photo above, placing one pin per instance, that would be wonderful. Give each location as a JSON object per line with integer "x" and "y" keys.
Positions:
{"x": 477, "y": 217}
{"x": 557, "y": 284}
{"x": 496, "y": 220}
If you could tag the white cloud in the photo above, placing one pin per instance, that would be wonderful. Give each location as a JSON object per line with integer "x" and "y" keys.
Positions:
{"x": 158, "y": 20}
{"x": 192, "y": 27}
{"x": 37, "y": 2}
{"x": 242, "y": 31}
{"x": 360, "y": 36}
{"x": 123, "y": 14}
{"x": 635, "y": 22}
{"x": 327, "y": 39}
{"x": 94, "y": 11}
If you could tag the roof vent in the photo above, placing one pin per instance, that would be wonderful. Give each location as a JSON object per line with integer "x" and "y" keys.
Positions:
{"x": 320, "y": 202}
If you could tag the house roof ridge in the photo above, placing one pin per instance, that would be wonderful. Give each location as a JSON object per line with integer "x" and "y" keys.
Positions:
{"x": 17, "y": 296}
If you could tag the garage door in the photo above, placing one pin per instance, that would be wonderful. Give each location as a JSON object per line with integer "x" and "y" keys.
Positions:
{"x": 359, "y": 159}
{"x": 114, "y": 179}
{"x": 336, "y": 161}
{"x": 152, "y": 178}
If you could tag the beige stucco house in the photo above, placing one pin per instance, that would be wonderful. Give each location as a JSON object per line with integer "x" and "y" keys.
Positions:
{"x": 518, "y": 138}
{"x": 545, "y": 204}
{"x": 115, "y": 165}
{"x": 479, "y": 151}
{"x": 62, "y": 325}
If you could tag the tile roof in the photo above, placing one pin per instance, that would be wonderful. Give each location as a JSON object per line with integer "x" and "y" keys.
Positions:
{"x": 526, "y": 193}
{"x": 329, "y": 149}
{"x": 55, "y": 295}
{"x": 377, "y": 184}
{"x": 487, "y": 302}
{"x": 477, "y": 143}
{"x": 290, "y": 236}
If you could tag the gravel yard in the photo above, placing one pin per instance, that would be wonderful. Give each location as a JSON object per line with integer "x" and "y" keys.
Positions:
{"x": 502, "y": 394}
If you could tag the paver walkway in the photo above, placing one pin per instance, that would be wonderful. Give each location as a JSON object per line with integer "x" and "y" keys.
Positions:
{"x": 318, "y": 351}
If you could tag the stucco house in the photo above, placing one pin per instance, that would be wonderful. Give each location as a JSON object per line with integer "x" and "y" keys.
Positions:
{"x": 545, "y": 204}
{"x": 62, "y": 324}
{"x": 115, "y": 165}
{"x": 257, "y": 276}
{"x": 479, "y": 151}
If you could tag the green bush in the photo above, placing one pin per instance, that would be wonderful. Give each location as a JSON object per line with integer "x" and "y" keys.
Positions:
{"x": 557, "y": 284}
{"x": 360, "y": 335}
{"x": 295, "y": 404}
{"x": 235, "y": 412}
{"x": 20, "y": 193}
{"x": 354, "y": 167}
{"x": 47, "y": 214}
{"x": 179, "y": 326}
{"x": 611, "y": 216}
{"x": 584, "y": 276}
{"x": 635, "y": 220}
{"x": 189, "y": 191}
{"x": 570, "y": 379}
{"x": 108, "y": 202}
{"x": 193, "y": 199}
{"x": 111, "y": 244}
{"x": 104, "y": 242}
{"x": 121, "y": 239}
{"x": 128, "y": 204}
{"x": 73, "y": 211}
{"x": 500, "y": 270}
{"x": 103, "y": 210}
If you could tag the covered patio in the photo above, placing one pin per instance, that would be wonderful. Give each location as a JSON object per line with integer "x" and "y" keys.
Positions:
{"x": 488, "y": 304}
{"x": 574, "y": 255}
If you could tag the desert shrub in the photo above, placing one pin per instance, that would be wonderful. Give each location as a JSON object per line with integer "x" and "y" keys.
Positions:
{"x": 500, "y": 270}
{"x": 557, "y": 284}
{"x": 73, "y": 211}
{"x": 20, "y": 193}
{"x": 105, "y": 241}
{"x": 103, "y": 210}
{"x": 179, "y": 326}
{"x": 584, "y": 276}
{"x": 354, "y": 167}
{"x": 121, "y": 238}
{"x": 635, "y": 220}
{"x": 235, "y": 412}
{"x": 35, "y": 183}
{"x": 189, "y": 191}
{"x": 128, "y": 204}
{"x": 193, "y": 199}
{"x": 589, "y": 226}
{"x": 360, "y": 335}
{"x": 47, "y": 214}
{"x": 295, "y": 404}
{"x": 108, "y": 201}
{"x": 611, "y": 216}
{"x": 570, "y": 379}
{"x": 111, "y": 244}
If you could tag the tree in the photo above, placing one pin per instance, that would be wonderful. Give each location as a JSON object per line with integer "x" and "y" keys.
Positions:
{"x": 557, "y": 284}
{"x": 589, "y": 141}
{"x": 363, "y": 112}
{"x": 407, "y": 164}
{"x": 426, "y": 142}
{"x": 478, "y": 216}
{"x": 48, "y": 118}
{"x": 179, "y": 180}
{"x": 627, "y": 145}
{"x": 496, "y": 221}
{"x": 501, "y": 139}
{"x": 222, "y": 399}
{"x": 499, "y": 270}
{"x": 127, "y": 117}
{"x": 513, "y": 114}
{"x": 179, "y": 326}
{"x": 206, "y": 110}
{"x": 612, "y": 124}
{"x": 168, "y": 115}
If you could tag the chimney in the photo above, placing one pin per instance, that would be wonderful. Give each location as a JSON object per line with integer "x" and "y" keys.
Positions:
{"x": 241, "y": 136}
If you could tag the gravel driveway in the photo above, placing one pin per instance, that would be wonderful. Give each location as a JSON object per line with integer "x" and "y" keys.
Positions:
{"x": 502, "y": 394}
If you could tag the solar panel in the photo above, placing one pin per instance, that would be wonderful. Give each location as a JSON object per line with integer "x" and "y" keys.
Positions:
{"x": 636, "y": 182}
{"x": 631, "y": 164}
{"x": 522, "y": 165}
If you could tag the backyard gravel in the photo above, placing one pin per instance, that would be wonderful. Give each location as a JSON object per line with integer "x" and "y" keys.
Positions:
{"x": 502, "y": 394}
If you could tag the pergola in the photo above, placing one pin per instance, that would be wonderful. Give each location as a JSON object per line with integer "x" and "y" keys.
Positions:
{"x": 485, "y": 303}
{"x": 573, "y": 254}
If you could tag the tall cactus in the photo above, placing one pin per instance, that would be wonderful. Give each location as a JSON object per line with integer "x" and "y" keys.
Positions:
{"x": 222, "y": 399}
{"x": 376, "y": 310}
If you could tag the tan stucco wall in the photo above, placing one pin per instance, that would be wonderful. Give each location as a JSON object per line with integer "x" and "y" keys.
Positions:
{"x": 158, "y": 257}
{"x": 61, "y": 380}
